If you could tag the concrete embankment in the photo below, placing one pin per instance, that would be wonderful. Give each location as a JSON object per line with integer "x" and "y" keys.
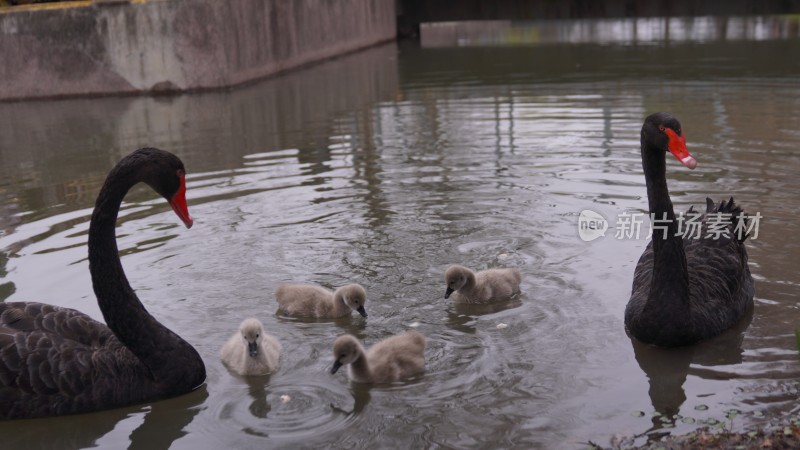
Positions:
{"x": 121, "y": 47}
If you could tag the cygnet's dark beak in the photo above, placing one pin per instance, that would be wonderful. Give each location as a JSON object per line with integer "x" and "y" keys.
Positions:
{"x": 252, "y": 347}
{"x": 448, "y": 292}
{"x": 362, "y": 311}
{"x": 336, "y": 365}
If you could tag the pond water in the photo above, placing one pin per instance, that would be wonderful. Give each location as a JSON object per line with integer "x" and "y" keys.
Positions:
{"x": 385, "y": 166}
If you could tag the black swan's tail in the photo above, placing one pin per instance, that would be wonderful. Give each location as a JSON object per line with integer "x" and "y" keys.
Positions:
{"x": 739, "y": 221}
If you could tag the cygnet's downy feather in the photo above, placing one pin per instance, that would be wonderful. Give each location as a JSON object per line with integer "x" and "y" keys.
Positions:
{"x": 307, "y": 300}
{"x": 486, "y": 286}
{"x": 250, "y": 351}
{"x": 391, "y": 359}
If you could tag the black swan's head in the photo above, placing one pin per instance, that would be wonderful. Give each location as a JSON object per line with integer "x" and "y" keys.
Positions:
{"x": 165, "y": 174}
{"x": 662, "y": 131}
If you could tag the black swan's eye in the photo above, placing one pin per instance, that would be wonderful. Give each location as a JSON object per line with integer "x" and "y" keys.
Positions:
{"x": 661, "y": 127}
{"x": 181, "y": 173}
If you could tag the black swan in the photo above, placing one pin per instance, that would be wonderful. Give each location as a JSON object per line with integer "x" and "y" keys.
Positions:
{"x": 56, "y": 361}
{"x": 685, "y": 290}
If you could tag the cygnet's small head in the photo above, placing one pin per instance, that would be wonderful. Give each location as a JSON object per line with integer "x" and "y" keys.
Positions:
{"x": 455, "y": 278}
{"x": 346, "y": 350}
{"x": 251, "y": 330}
{"x": 355, "y": 297}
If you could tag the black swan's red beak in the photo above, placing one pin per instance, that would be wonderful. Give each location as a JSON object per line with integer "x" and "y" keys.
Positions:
{"x": 677, "y": 146}
{"x": 178, "y": 203}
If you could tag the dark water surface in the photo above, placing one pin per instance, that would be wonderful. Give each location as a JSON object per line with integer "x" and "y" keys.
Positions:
{"x": 382, "y": 168}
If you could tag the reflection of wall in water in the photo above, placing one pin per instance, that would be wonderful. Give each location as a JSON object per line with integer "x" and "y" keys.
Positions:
{"x": 60, "y": 151}
{"x": 610, "y": 31}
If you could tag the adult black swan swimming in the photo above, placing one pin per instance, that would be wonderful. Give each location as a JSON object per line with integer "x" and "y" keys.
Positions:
{"x": 685, "y": 289}
{"x": 56, "y": 361}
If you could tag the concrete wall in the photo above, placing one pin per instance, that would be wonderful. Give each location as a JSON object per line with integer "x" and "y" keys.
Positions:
{"x": 87, "y": 48}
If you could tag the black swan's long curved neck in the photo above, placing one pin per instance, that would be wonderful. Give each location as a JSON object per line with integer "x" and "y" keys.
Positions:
{"x": 670, "y": 283}
{"x": 158, "y": 348}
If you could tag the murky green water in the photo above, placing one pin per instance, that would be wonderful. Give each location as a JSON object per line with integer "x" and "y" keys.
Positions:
{"x": 382, "y": 168}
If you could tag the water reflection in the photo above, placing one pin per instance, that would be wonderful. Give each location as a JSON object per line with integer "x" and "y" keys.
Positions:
{"x": 73, "y": 432}
{"x": 167, "y": 421}
{"x": 157, "y": 426}
{"x": 361, "y": 398}
{"x": 463, "y": 317}
{"x": 257, "y": 389}
{"x": 667, "y": 369}
{"x": 8, "y": 288}
{"x": 351, "y": 324}
{"x": 632, "y": 31}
